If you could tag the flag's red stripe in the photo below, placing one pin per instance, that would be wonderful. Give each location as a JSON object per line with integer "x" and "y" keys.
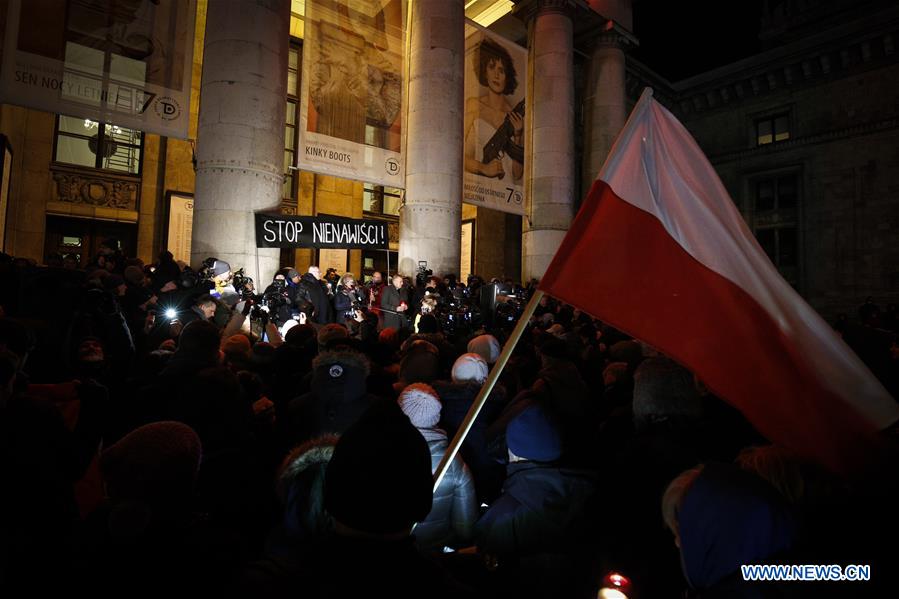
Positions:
{"x": 619, "y": 264}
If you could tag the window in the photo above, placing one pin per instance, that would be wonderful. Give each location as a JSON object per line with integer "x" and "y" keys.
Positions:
{"x": 290, "y": 123}
{"x": 297, "y": 18}
{"x": 772, "y": 129}
{"x": 381, "y": 200}
{"x": 775, "y": 219}
{"x": 84, "y": 142}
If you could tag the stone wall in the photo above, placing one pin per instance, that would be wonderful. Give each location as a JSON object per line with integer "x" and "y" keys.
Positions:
{"x": 845, "y": 147}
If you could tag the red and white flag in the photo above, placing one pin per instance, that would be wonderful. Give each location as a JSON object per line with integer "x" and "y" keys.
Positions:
{"x": 659, "y": 251}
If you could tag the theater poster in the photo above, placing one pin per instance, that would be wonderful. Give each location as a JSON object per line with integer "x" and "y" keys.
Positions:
{"x": 495, "y": 80}
{"x": 353, "y": 90}
{"x": 122, "y": 62}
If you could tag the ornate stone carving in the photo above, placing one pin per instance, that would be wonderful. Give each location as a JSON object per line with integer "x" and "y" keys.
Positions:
{"x": 96, "y": 190}
{"x": 393, "y": 232}
{"x": 528, "y": 9}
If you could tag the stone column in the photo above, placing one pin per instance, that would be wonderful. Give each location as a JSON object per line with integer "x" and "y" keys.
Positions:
{"x": 240, "y": 138}
{"x": 430, "y": 219}
{"x": 549, "y": 174}
{"x": 605, "y": 101}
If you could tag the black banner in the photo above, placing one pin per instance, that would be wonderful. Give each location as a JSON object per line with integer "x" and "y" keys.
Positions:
{"x": 322, "y": 231}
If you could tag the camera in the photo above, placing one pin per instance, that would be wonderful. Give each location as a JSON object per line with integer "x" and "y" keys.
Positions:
{"x": 205, "y": 273}
{"x": 243, "y": 285}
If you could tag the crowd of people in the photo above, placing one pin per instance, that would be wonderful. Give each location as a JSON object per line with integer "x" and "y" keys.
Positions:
{"x": 166, "y": 429}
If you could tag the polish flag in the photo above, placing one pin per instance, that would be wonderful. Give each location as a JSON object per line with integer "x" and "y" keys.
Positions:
{"x": 659, "y": 250}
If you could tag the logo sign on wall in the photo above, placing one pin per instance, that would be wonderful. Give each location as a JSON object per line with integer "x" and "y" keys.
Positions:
{"x": 127, "y": 63}
{"x": 495, "y": 80}
{"x": 322, "y": 231}
{"x": 353, "y": 90}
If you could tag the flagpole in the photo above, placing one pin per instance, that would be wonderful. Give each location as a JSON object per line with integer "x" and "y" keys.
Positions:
{"x": 481, "y": 399}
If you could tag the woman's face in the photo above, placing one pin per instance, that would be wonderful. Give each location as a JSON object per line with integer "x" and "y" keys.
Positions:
{"x": 496, "y": 75}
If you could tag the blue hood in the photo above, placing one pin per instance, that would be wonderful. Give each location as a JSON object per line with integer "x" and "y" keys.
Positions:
{"x": 728, "y": 518}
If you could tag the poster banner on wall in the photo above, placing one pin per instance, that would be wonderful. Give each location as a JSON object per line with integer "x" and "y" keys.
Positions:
{"x": 321, "y": 231}
{"x": 180, "y": 225}
{"x": 352, "y": 91}
{"x": 126, "y": 63}
{"x": 466, "y": 265}
{"x": 495, "y": 80}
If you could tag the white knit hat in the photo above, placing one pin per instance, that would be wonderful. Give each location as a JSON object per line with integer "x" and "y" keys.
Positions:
{"x": 485, "y": 346}
{"x": 470, "y": 368}
{"x": 421, "y": 404}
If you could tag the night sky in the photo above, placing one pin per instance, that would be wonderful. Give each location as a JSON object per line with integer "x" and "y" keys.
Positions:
{"x": 679, "y": 39}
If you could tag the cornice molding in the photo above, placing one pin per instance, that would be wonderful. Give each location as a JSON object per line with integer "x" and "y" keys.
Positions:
{"x": 526, "y": 10}
{"x": 747, "y": 80}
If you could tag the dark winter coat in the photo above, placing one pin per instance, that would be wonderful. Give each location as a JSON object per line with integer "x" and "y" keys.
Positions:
{"x": 343, "y": 302}
{"x": 338, "y": 397}
{"x": 355, "y": 567}
{"x": 457, "y": 399}
{"x": 313, "y": 291}
{"x": 541, "y": 510}
{"x": 391, "y": 298}
{"x": 454, "y": 510}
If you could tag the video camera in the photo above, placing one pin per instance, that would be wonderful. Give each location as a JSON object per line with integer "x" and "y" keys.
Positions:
{"x": 269, "y": 305}
{"x": 423, "y": 274}
{"x": 243, "y": 285}
{"x": 205, "y": 272}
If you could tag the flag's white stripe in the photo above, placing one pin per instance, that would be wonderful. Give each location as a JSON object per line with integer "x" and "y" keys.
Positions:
{"x": 657, "y": 166}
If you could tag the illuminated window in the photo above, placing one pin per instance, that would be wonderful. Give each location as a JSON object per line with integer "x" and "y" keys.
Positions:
{"x": 772, "y": 129}
{"x": 381, "y": 200}
{"x": 297, "y": 18}
{"x": 84, "y": 142}
{"x": 290, "y": 123}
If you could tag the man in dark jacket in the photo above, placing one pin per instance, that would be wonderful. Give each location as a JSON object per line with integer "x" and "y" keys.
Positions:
{"x": 395, "y": 302}
{"x": 312, "y": 290}
{"x": 337, "y": 399}
{"x": 537, "y": 528}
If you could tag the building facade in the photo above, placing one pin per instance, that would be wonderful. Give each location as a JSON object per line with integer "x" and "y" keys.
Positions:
{"x": 805, "y": 136}
{"x": 76, "y": 182}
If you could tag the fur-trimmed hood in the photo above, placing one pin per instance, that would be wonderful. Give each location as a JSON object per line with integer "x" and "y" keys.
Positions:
{"x": 315, "y": 452}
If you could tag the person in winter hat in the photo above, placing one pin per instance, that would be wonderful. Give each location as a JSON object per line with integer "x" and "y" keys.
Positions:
{"x": 377, "y": 485}
{"x": 470, "y": 368}
{"x": 420, "y": 364}
{"x": 155, "y": 465}
{"x": 338, "y": 396}
{"x": 665, "y": 395}
{"x": 451, "y": 520}
{"x": 542, "y": 514}
{"x": 379, "y": 478}
{"x": 468, "y": 375}
{"x": 531, "y": 436}
{"x": 485, "y": 346}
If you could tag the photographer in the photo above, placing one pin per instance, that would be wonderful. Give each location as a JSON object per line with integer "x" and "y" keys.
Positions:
{"x": 349, "y": 298}
{"x": 219, "y": 272}
{"x": 277, "y": 299}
